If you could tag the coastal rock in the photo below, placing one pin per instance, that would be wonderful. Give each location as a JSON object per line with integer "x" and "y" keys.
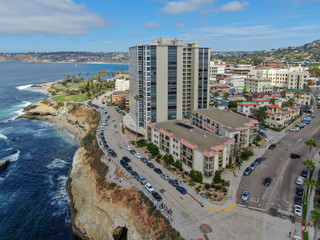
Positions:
{"x": 4, "y": 164}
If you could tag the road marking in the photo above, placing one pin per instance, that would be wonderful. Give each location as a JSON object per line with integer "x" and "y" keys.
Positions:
{"x": 276, "y": 184}
{"x": 314, "y": 131}
{"x": 222, "y": 210}
{"x": 208, "y": 231}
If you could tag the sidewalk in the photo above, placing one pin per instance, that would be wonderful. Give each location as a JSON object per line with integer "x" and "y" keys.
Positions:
{"x": 311, "y": 230}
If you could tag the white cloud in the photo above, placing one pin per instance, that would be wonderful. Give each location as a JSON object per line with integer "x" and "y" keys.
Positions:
{"x": 234, "y": 6}
{"x": 58, "y": 17}
{"x": 152, "y": 25}
{"x": 256, "y": 32}
{"x": 178, "y": 7}
{"x": 180, "y": 24}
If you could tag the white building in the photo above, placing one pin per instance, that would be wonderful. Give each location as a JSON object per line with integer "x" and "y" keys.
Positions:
{"x": 216, "y": 69}
{"x": 235, "y": 80}
{"x": 122, "y": 85}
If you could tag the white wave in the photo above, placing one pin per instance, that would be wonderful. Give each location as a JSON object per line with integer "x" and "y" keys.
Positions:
{"x": 30, "y": 88}
{"x": 57, "y": 163}
{"x": 14, "y": 157}
{"x": 24, "y": 104}
{"x": 3, "y": 137}
{"x": 24, "y": 87}
{"x": 60, "y": 199}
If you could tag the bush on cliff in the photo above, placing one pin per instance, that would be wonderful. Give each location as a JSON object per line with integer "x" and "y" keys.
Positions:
{"x": 88, "y": 139}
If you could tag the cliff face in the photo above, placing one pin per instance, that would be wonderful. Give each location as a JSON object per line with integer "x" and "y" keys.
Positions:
{"x": 99, "y": 208}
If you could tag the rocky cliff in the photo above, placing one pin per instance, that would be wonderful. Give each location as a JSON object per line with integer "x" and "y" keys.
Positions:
{"x": 100, "y": 209}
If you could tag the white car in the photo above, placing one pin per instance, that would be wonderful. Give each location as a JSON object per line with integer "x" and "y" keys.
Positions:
{"x": 298, "y": 210}
{"x": 149, "y": 187}
{"x": 137, "y": 155}
{"x": 164, "y": 176}
{"x": 128, "y": 148}
{"x": 296, "y": 238}
{"x": 300, "y": 180}
{"x": 295, "y": 129}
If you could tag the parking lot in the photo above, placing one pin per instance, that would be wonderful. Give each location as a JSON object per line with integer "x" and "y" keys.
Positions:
{"x": 283, "y": 171}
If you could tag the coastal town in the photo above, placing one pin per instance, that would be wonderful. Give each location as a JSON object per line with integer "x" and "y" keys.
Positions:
{"x": 159, "y": 120}
{"x": 239, "y": 146}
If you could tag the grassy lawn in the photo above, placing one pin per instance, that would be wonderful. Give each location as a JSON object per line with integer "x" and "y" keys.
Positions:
{"x": 73, "y": 98}
{"x": 77, "y": 85}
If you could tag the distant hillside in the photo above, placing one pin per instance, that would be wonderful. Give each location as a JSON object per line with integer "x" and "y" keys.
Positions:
{"x": 73, "y": 57}
{"x": 308, "y": 52}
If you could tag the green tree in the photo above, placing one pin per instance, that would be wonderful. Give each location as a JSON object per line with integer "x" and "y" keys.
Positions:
{"x": 316, "y": 220}
{"x": 216, "y": 94}
{"x": 310, "y": 143}
{"x": 64, "y": 83}
{"x": 217, "y": 177}
{"x": 310, "y": 165}
{"x": 178, "y": 164}
{"x": 168, "y": 158}
{"x": 196, "y": 176}
{"x": 312, "y": 185}
{"x": 260, "y": 114}
{"x": 153, "y": 149}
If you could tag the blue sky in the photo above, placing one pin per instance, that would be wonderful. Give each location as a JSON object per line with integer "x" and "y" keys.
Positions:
{"x": 115, "y": 25}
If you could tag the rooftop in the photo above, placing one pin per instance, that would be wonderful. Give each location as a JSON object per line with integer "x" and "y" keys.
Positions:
{"x": 184, "y": 130}
{"x": 225, "y": 118}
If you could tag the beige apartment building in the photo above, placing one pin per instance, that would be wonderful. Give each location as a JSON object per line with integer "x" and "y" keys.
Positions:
{"x": 280, "y": 117}
{"x": 195, "y": 148}
{"x": 253, "y": 84}
{"x": 168, "y": 79}
{"x": 300, "y": 96}
{"x": 227, "y": 124}
{"x": 291, "y": 78}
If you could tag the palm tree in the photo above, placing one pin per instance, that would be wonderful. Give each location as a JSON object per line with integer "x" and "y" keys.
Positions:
{"x": 311, "y": 184}
{"x": 310, "y": 165}
{"x": 316, "y": 220}
{"x": 137, "y": 98}
{"x": 260, "y": 114}
{"x": 311, "y": 143}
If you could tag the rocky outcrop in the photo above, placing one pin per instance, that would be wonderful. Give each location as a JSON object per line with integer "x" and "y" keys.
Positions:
{"x": 4, "y": 164}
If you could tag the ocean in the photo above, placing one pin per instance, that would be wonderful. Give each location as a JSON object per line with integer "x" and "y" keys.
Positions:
{"x": 33, "y": 200}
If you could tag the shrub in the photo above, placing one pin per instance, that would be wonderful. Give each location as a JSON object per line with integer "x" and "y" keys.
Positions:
{"x": 246, "y": 153}
{"x": 123, "y": 129}
{"x": 153, "y": 149}
{"x": 177, "y": 164}
{"x": 207, "y": 186}
{"x": 217, "y": 177}
{"x": 88, "y": 139}
{"x": 59, "y": 105}
{"x": 196, "y": 176}
{"x": 218, "y": 187}
{"x": 141, "y": 143}
{"x": 168, "y": 158}
{"x": 45, "y": 101}
{"x": 224, "y": 189}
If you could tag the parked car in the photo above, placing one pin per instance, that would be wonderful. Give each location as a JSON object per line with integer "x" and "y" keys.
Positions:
{"x": 247, "y": 171}
{"x": 296, "y": 238}
{"x": 295, "y": 155}
{"x": 137, "y": 155}
{"x": 142, "y": 180}
{"x": 298, "y": 200}
{"x": 144, "y": 160}
{"x": 128, "y": 148}
{"x": 304, "y": 173}
{"x": 253, "y": 166}
{"x": 109, "y": 150}
{"x": 312, "y": 115}
{"x": 306, "y": 122}
{"x": 245, "y": 195}
{"x": 301, "y": 125}
{"x": 132, "y": 151}
{"x": 150, "y": 165}
{"x": 300, "y": 180}
{"x": 182, "y": 190}
{"x": 174, "y": 182}
{"x": 158, "y": 170}
{"x": 113, "y": 154}
{"x": 295, "y": 129}
{"x": 149, "y": 187}
{"x": 126, "y": 159}
{"x": 267, "y": 181}
{"x": 156, "y": 196}
{"x": 297, "y": 210}
{"x": 164, "y": 176}
{"x": 257, "y": 161}
{"x": 272, "y": 146}
{"x": 123, "y": 162}
{"x": 299, "y": 191}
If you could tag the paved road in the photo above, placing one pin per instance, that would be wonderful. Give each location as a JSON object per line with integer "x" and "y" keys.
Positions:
{"x": 192, "y": 220}
{"x": 282, "y": 169}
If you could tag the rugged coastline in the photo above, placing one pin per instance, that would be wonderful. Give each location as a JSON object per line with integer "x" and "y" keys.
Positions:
{"x": 100, "y": 209}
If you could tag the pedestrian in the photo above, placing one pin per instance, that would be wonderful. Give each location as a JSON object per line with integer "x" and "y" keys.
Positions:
{"x": 236, "y": 175}
{"x": 110, "y": 175}
{"x": 290, "y": 234}
{"x": 295, "y": 231}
